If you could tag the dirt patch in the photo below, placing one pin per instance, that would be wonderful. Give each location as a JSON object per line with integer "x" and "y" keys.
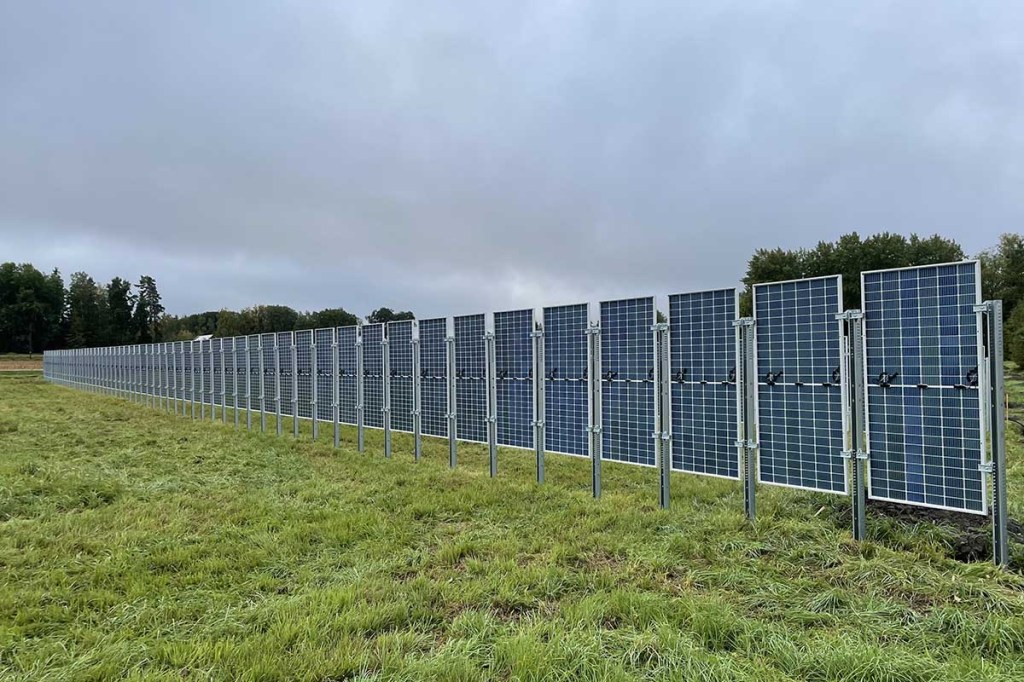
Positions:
{"x": 20, "y": 365}
{"x": 974, "y": 541}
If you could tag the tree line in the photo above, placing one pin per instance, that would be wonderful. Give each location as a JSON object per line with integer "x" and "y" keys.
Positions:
{"x": 37, "y": 311}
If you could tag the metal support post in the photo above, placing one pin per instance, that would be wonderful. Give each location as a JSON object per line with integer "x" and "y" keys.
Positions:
{"x": 996, "y": 399}
{"x": 295, "y": 386}
{"x": 335, "y": 381}
{"x": 746, "y": 437}
{"x": 417, "y": 396}
{"x": 385, "y": 382}
{"x": 360, "y": 392}
{"x": 594, "y": 425}
{"x": 539, "y": 401}
{"x": 314, "y": 382}
{"x": 662, "y": 411}
{"x": 853, "y": 394}
{"x": 449, "y": 345}
{"x": 492, "y": 402}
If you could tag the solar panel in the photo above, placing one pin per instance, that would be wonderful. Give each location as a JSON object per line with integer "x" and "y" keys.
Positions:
{"x": 227, "y": 349}
{"x": 217, "y": 378}
{"x": 565, "y": 360}
{"x": 799, "y": 390}
{"x": 373, "y": 375}
{"x": 400, "y": 352}
{"x": 179, "y": 370}
{"x": 923, "y": 352}
{"x": 241, "y": 375}
{"x": 513, "y": 364}
{"x": 269, "y": 346}
{"x": 206, "y": 355}
{"x": 285, "y": 374}
{"x": 325, "y": 379}
{"x": 255, "y": 373}
{"x": 627, "y": 382}
{"x": 347, "y": 337}
{"x": 471, "y": 378}
{"x": 704, "y": 391}
{"x": 304, "y": 373}
{"x": 433, "y": 377}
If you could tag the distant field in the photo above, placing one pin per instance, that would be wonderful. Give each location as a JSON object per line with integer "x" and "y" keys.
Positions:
{"x": 139, "y": 545}
{"x": 18, "y": 361}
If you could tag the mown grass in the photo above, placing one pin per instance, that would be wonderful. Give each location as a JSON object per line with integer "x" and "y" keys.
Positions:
{"x": 139, "y": 545}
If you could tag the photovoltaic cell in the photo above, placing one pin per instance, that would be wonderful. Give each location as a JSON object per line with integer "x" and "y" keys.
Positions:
{"x": 217, "y": 379}
{"x": 179, "y": 368}
{"x": 513, "y": 364}
{"x": 269, "y": 351}
{"x": 325, "y": 374}
{"x": 704, "y": 391}
{"x": 471, "y": 378}
{"x": 373, "y": 375}
{"x": 565, "y": 382}
{"x": 922, "y": 338}
{"x": 304, "y": 372}
{"x": 433, "y": 378}
{"x": 400, "y": 356}
{"x": 799, "y": 389}
{"x": 206, "y": 351}
{"x": 347, "y": 368}
{"x": 255, "y": 373}
{"x": 228, "y": 354}
{"x": 285, "y": 376}
{"x": 241, "y": 376}
{"x": 627, "y": 382}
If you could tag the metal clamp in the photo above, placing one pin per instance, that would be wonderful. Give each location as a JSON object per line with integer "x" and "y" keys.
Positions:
{"x": 744, "y": 322}
{"x": 986, "y": 468}
{"x": 659, "y": 327}
{"x": 594, "y": 429}
{"x": 985, "y": 307}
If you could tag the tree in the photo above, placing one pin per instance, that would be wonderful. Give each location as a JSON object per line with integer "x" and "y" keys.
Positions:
{"x": 85, "y": 316}
{"x": 1002, "y": 272}
{"x": 120, "y": 305}
{"x": 329, "y": 317}
{"x": 31, "y": 308}
{"x": 148, "y": 311}
{"x": 388, "y": 315}
{"x": 848, "y": 256}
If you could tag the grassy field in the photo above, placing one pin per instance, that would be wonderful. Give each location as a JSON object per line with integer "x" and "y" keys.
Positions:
{"x": 20, "y": 361}
{"x": 139, "y": 545}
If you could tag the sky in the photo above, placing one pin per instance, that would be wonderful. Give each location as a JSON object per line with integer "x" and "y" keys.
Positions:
{"x": 460, "y": 157}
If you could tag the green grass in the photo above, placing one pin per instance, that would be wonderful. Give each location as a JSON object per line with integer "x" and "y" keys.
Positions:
{"x": 139, "y": 545}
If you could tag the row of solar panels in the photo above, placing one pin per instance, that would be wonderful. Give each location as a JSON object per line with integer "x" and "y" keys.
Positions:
{"x": 922, "y": 346}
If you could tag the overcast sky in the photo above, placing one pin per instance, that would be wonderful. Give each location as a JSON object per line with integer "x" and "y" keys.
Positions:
{"x": 460, "y": 157}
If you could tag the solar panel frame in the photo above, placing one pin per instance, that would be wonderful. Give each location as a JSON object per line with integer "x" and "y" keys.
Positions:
{"x": 627, "y": 381}
{"x": 325, "y": 379}
{"x": 513, "y": 363}
{"x": 269, "y": 400}
{"x": 807, "y": 455}
{"x": 373, "y": 375}
{"x": 227, "y": 349}
{"x": 285, "y": 373}
{"x": 304, "y": 373}
{"x": 347, "y": 369}
{"x": 400, "y": 335}
{"x": 704, "y": 393}
{"x": 434, "y": 377}
{"x": 566, "y": 386}
{"x": 471, "y": 378}
{"x": 925, "y": 425}
{"x": 217, "y": 378}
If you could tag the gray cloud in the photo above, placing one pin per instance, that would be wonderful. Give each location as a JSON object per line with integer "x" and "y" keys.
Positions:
{"x": 454, "y": 157}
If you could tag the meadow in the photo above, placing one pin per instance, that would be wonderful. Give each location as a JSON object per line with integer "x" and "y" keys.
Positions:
{"x": 140, "y": 545}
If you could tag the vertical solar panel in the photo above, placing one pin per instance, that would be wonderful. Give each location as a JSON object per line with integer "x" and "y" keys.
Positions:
{"x": 217, "y": 380}
{"x": 325, "y": 378}
{"x": 922, "y": 347}
{"x": 304, "y": 373}
{"x": 565, "y": 382}
{"x": 627, "y": 384}
{"x": 347, "y": 337}
{"x": 799, "y": 389}
{"x": 433, "y": 377}
{"x": 241, "y": 387}
{"x": 205, "y": 352}
{"x": 269, "y": 345}
{"x": 704, "y": 390}
{"x": 179, "y": 356}
{"x": 228, "y": 357}
{"x": 513, "y": 365}
{"x": 255, "y": 373}
{"x": 400, "y": 352}
{"x": 373, "y": 375}
{"x": 285, "y": 375}
{"x": 471, "y": 378}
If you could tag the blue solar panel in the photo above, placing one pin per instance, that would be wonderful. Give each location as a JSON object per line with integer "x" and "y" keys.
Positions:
{"x": 285, "y": 375}
{"x": 924, "y": 430}
{"x": 228, "y": 369}
{"x": 347, "y": 368}
{"x": 304, "y": 373}
{"x": 241, "y": 388}
{"x": 373, "y": 375}
{"x": 471, "y": 378}
{"x": 400, "y": 356}
{"x": 704, "y": 390}
{"x": 565, "y": 382}
{"x": 627, "y": 381}
{"x": 255, "y": 374}
{"x": 206, "y": 351}
{"x": 214, "y": 367}
{"x": 433, "y": 381}
{"x": 325, "y": 379}
{"x": 269, "y": 346}
{"x": 799, "y": 391}
{"x": 513, "y": 364}
{"x": 179, "y": 370}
